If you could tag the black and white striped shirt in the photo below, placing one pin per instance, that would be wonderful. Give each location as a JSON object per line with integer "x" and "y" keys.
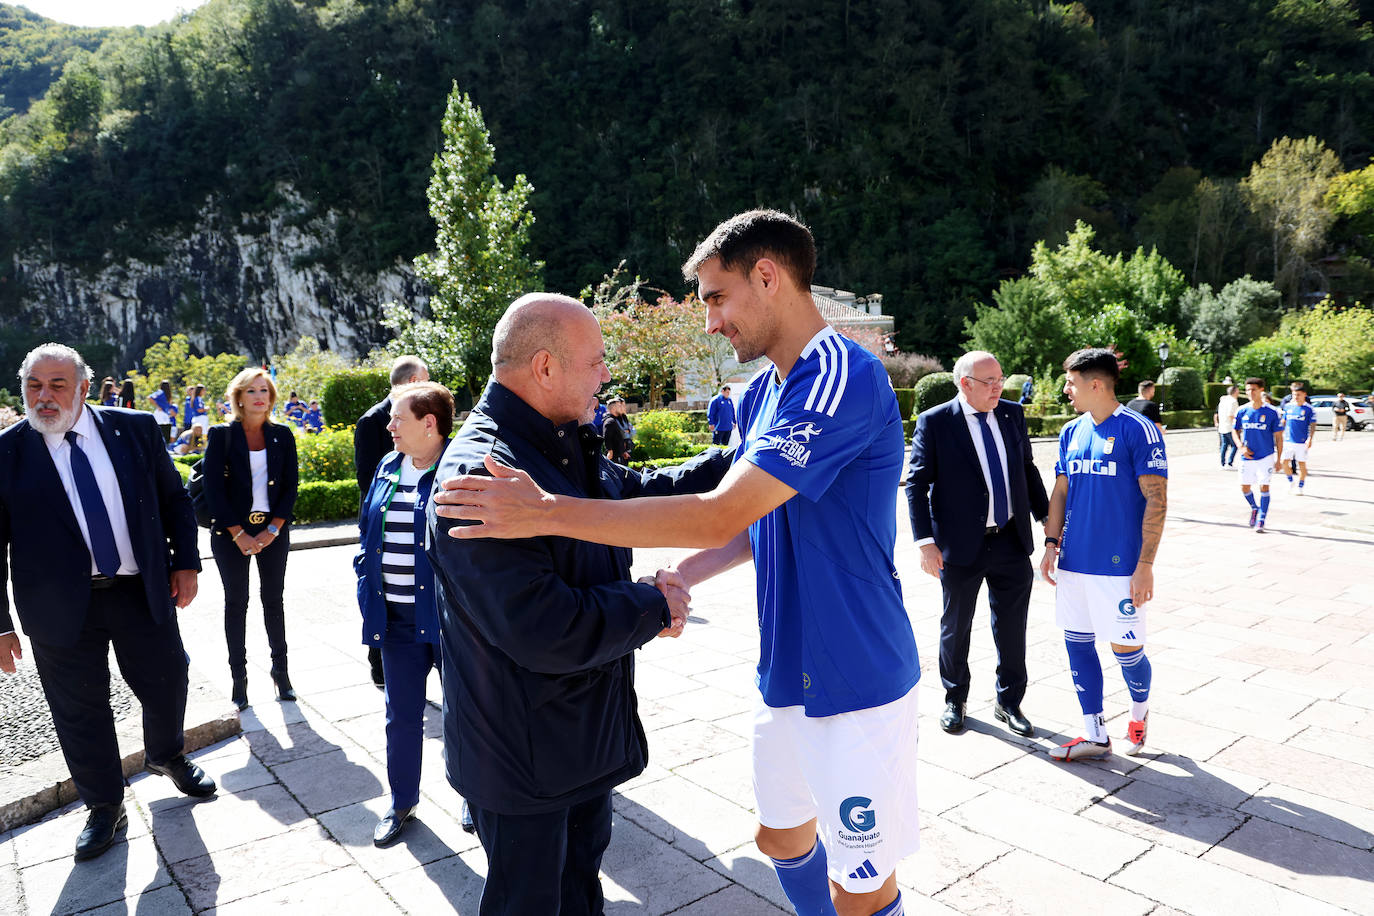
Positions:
{"x": 398, "y": 542}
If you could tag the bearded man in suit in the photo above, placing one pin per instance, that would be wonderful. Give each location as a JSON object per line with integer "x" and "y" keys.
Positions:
{"x": 98, "y": 538}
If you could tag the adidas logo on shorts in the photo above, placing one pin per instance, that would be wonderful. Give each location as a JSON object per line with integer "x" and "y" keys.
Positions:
{"x": 865, "y": 870}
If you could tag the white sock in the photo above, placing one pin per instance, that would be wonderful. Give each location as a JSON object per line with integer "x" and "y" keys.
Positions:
{"x": 1095, "y": 728}
{"x": 1139, "y": 710}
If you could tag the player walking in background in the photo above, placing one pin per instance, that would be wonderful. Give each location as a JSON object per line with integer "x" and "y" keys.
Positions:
{"x": 1259, "y": 436}
{"x": 1299, "y": 429}
{"x": 1106, "y": 519}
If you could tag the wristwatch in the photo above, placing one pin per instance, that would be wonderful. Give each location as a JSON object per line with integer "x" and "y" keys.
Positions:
{"x": 273, "y": 529}
{"x": 1051, "y": 542}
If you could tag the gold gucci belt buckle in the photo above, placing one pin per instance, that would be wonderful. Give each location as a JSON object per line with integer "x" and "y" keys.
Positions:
{"x": 257, "y": 518}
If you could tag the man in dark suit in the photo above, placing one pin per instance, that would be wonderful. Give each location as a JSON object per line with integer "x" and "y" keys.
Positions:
{"x": 99, "y": 539}
{"x": 371, "y": 441}
{"x": 972, "y": 487}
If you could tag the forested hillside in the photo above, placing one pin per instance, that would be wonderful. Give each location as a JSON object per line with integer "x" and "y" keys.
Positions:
{"x": 929, "y": 144}
{"x": 33, "y": 51}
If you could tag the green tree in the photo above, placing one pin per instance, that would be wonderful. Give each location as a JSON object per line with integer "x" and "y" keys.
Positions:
{"x": 76, "y": 98}
{"x": 1025, "y": 330}
{"x": 171, "y": 359}
{"x": 1338, "y": 345}
{"x": 1285, "y": 191}
{"x": 1350, "y": 196}
{"x": 307, "y": 368}
{"x": 1221, "y": 323}
{"x": 479, "y": 265}
{"x": 1084, "y": 280}
{"x": 1263, "y": 358}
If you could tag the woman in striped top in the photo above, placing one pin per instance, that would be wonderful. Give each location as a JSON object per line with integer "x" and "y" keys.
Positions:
{"x": 396, "y": 584}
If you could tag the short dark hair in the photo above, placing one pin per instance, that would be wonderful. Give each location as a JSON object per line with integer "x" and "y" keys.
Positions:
{"x": 1097, "y": 361}
{"x": 724, "y": 387}
{"x": 743, "y": 239}
{"x": 428, "y": 398}
{"x": 1254, "y": 380}
{"x": 1144, "y": 386}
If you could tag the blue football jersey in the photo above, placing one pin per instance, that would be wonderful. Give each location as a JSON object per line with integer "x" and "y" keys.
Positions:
{"x": 834, "y": 633}
{"x": 1297, "y": 421}
{"x": 1105, "y": 507}
{"x": 1257, "y": 426}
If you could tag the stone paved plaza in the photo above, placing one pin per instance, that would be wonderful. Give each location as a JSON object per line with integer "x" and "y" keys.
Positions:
{"x": 1256, "y": 795}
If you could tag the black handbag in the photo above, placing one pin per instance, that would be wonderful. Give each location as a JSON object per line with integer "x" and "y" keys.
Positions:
{"x": 195, "y": 487}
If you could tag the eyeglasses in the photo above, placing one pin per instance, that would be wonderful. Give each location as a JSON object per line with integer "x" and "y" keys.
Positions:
{"x": 1000, "y": 381}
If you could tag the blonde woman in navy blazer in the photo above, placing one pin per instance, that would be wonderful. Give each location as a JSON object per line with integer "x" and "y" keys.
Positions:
{"x": 250, "y": 485}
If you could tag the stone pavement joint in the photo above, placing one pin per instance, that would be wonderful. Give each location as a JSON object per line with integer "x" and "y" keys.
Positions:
{"x": 1253, "y": 795}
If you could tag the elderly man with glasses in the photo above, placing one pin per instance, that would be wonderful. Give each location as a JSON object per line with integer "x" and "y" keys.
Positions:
{"x": 972, "y": 487}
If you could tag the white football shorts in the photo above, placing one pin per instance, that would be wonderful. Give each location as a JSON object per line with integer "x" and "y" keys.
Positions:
{"x": 1295, "y": 450}
{"x": 1256, "y": 471}
{"x": 1100, "y": 605}
{"x": 854, "y": 772}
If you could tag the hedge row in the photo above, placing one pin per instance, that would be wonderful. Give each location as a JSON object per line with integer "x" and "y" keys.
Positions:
{"x": 347, "y": 395}
{"x": 327, "y": 500}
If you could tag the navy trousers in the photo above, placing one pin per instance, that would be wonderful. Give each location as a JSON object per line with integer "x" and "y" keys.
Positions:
{"x": 544, "y": 864}
{"x": 407, "y": 664}
{"x": 76, "y": 682}
{"x": 1003, "y": 564}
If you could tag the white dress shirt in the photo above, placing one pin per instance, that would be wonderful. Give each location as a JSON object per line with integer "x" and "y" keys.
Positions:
{"x": 88, "y": 437}
{"x": 976, "y": 432}
{"x": 257, "y": 465}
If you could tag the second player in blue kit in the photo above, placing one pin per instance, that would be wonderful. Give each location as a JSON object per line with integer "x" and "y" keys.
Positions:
{"x": 1299, "y": 429}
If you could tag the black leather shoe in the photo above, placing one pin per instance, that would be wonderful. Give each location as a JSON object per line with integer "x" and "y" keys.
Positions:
{"x": 1011, "y": 715}
{"x": 285, "y": 693}
{"x": 952, "y": 720}
{"x": 239, "y": 693}
{"x": 102, "y": 824}
{"x": 185, "y": 775}
{"x": 466, "y": 820}
{"x": 389, "y": 828}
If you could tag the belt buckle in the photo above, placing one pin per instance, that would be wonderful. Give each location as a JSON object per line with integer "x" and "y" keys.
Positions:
{"x": 257, "y": 518}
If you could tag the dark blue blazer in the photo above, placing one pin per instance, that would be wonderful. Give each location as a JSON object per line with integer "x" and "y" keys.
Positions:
{"x": 229, "y": 475}
{"x": 945, "y": 488}
{"x": 539, "y": 634}
{"x": 49, "y": 564}
{"x": 368, "y": 561}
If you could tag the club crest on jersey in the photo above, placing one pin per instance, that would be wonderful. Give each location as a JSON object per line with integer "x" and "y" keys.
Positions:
{"x": 1157, "y": 459}
{"x": 1092, "y": 466}
{"x": 1111, "y": 444}
{"x": 790, "y": 442}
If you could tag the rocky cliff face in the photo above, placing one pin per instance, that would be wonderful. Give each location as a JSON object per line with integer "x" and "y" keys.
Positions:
{"x": 230, "y": 285}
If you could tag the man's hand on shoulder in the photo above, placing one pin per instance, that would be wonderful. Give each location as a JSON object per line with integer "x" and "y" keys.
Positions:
{"x": 508, "y": 504}
{"x": 10, "y": 652}
{"x": 184, "y": 585}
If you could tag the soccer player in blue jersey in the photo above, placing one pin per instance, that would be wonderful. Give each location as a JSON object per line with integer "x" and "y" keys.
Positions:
{"x": 811, "y": 498}
{"x": 1259, "y": 436}
{"x": 1106, "y": 519}
{"x": 1299, "y": 429}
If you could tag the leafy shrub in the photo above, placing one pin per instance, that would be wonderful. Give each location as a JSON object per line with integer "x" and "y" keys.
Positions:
{"x": 908, "y": 429}
{"x": 906, "y": 369}
{"x": 326, "y": 500}
{"x": 347, "y": 395}
{"x": 1213, "y": 392}
{"x": 906, "y": 402}
{"x": 1186, "y": 419}
{"x": 1186, "y": 384}
{"x": 1263, "y": 358}
{"x": 327, "y": 455}
{"x": 1048, "y": 426}
{"x": 662, "y": 434}
{"x": 1011, "y": 390}
{"x": 1163, "y": 395}
{"x": 1048, "y": 400}
{"x": 934, "y": 389}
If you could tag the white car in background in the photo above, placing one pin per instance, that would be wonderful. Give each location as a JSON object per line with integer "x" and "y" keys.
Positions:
{"x": 1359, "y": 414}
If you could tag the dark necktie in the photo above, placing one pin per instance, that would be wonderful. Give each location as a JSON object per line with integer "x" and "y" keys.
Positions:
{"x": 999, "y": 483}
{"x": 97, "y": 519}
